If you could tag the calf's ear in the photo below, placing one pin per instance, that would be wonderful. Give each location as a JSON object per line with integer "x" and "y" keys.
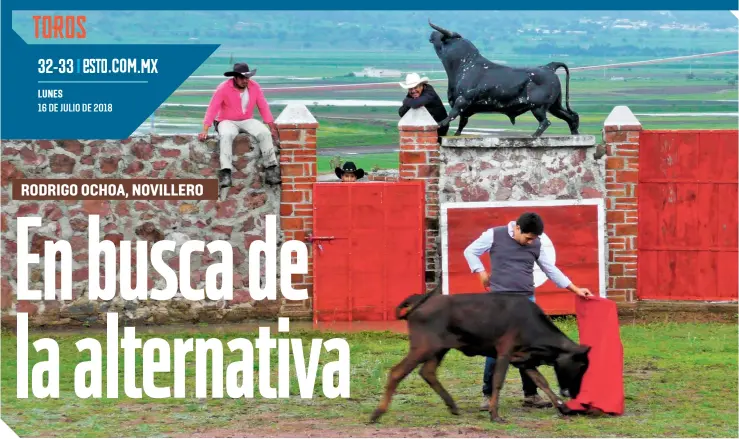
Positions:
{"x": 583, "y": 350}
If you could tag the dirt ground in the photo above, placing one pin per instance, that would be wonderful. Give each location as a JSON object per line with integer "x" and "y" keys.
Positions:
{"x": 678, "y": 312}
{"x": 316, "y": 428}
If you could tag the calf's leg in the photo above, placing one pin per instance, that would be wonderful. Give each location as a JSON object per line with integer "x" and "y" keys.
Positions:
{"x": 501, "y": 368}
{"x": 542, "y": 383}
{"x": 428, "y": 373}
{"x": 397, "y": 373}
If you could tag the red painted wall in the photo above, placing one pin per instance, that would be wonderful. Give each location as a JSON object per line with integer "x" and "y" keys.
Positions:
{"x": 376, "y": 258}
{"x": 687, "y": 246}
{"x": 572, "y": 229}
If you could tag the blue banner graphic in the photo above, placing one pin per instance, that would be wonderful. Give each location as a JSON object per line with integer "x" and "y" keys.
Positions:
{"x": 88, "y": 91}
{"x": 376, "y": 5}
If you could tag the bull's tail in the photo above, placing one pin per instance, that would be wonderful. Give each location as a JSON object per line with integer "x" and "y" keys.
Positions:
{"x": 554, "y": 66}
{"x": 411, "y": 303}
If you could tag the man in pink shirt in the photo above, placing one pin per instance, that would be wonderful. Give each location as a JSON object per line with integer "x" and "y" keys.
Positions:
{"x": 233, "y": 105}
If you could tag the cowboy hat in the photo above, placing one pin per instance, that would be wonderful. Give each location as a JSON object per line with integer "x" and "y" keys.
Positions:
{"x": 350, "y": 167}
{"x": 241, "y": 69}
{"x": 412, "y": 80}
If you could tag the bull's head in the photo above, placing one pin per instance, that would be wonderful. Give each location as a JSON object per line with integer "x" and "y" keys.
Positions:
{"x": 450, "y": 46}
{"x": 570, "y": 367}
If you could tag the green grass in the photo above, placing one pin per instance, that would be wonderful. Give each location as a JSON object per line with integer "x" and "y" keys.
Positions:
{"x": 680, "y": 380}
{"x": 332, "y": 134}
{"x": 365, "y": 161}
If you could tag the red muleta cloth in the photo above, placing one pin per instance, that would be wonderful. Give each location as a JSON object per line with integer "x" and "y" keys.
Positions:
{"x": 603, "y": 385}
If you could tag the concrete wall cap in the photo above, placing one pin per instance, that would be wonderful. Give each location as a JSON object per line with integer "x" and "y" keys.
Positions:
{"x": 417, "y": 117}
{"x": 519, "y": 141}
{"x": 621, "y": 115}
{"x": 295, "y": 114}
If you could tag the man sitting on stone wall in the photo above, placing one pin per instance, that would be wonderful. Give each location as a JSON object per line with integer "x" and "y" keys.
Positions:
{"x": 233, "y": 104}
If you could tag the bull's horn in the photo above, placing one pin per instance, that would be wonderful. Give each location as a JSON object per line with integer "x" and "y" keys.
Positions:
{"x": 440, "y": 29}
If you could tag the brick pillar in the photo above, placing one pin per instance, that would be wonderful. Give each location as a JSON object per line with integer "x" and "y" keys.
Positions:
{"x": 419, "y": 160}
{"x": 621, "y": 135}
{"x": 297, "y": 128}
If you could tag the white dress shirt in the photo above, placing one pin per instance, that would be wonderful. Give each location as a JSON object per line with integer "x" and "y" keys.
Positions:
{"x": 244, "y": 99}
{"x": 482, "y": 245}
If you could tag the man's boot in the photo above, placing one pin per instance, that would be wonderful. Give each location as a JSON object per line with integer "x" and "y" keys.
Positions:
{"x": 536, "y": 401}
{"x": 272, "y": 175}
{"x": 485, "y": 405}
{"x": 224, "y": 178}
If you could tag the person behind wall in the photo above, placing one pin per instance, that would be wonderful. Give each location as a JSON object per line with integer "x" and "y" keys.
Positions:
{"x": 422, "y": 94}
{"x": 349, "y": 172}
{"x": 233, "y": 104}
{"x": 514, "y": 249}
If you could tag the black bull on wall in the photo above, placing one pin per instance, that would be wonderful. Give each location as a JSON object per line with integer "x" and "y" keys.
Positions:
{"x": 478, "y": 85}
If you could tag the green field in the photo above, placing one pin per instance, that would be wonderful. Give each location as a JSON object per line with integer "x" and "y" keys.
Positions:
{"x": 706, "y": 87}
{"x": 680, "y": 380}
{"x": 299, "y": 49}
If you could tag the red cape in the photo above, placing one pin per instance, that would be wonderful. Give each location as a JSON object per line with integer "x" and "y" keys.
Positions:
{"x": 602, "y": 386}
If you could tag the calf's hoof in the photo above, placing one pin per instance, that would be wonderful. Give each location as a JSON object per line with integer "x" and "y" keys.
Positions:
{"x": 497, "y": 419}
{"x": 564, "y": 410}
{"x": 375, "y": 416}
{"x": 454, "y": 411}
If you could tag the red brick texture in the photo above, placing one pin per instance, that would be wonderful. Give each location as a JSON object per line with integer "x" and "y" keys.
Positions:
{"x": 622, "y": 177}
{"x": 419, "y": 159}
{"x": 298, "y": 169}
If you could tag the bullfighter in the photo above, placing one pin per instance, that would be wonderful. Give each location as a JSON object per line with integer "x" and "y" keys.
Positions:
{"x": 231, "y": 109}
{"x": 513, "y": 250}
{"x": 422, "y": 94}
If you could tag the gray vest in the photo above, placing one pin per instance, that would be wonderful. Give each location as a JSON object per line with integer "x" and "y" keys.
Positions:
{"x": 512, "y": 264}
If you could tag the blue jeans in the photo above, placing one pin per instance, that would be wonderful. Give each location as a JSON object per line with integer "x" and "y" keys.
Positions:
{"x": 529, "y": 387}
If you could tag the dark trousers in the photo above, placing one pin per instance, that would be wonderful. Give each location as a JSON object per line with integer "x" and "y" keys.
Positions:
{"x": 529, "y": 387}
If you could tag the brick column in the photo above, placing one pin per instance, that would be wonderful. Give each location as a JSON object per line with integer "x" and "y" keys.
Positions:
{"x": 297, "y": 128}
{"x": 621, "y": 135}
{"x": 419, "y": 160}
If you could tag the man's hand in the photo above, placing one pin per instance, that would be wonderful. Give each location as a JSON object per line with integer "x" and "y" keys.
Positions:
{"x": 275, "y": 134}
{"x": 583, "y": 292}
{"x": 203, "y": 135}
{"x": 484, "y": 278}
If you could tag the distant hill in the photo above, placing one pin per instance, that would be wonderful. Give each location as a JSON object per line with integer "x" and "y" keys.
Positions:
{"x": 587, "y": 33}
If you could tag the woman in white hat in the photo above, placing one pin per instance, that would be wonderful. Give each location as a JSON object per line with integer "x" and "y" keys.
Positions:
{"x": 422, "y": 94}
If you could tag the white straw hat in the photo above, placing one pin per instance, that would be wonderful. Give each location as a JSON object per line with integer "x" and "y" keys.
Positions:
{"x": 412, "y": 80}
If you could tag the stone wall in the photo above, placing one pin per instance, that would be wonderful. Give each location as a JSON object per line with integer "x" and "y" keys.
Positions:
{"x": 462, "y": 169}
{"x": 240, "y": 219}
{"x": 383, "y": 175}
{"x": 520, "y": 168}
